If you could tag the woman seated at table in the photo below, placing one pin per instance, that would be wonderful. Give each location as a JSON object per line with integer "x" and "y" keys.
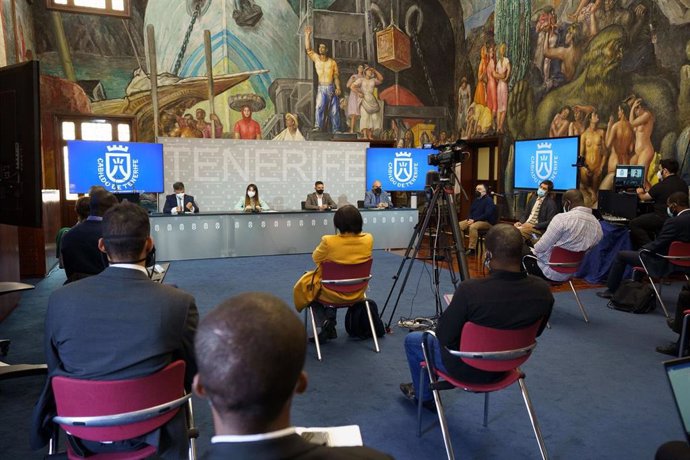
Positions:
{"x": 251, "y": 201}
{"x": 348, "y": 246}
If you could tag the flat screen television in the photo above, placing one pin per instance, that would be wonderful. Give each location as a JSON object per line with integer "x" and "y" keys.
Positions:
{"x": 629, "y": 177}
{"x": 120, "y": 167}
{"x": 21, "y": 200}
{"x": 398, "y": 169}
{"x": 553, "y": 159}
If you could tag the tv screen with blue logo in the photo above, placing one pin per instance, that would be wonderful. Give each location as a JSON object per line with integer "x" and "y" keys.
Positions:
{"x": 398, "y": 169}
{"x": 120, "y": 167}
{"x": 553, "y": 159}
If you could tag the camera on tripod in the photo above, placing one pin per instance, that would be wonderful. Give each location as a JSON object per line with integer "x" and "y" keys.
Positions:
{"x": 449, "y": 154}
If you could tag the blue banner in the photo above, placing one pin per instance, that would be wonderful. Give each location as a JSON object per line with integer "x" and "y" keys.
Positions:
{"x": 398, "y": 169}
{"x": 553, "y": 159}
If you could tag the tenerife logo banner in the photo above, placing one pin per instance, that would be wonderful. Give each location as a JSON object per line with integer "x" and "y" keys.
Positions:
{"x": 119, "y": 167}
{"x": 398, "y": 169}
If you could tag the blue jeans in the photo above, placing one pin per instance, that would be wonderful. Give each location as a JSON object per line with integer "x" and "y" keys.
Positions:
{"x": 413, "y": 351}
{"x": 326, "y": 100}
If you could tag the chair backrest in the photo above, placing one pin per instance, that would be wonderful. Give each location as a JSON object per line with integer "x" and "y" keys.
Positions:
{"x": 360, "y": 204}
{"x": 565, "y": 261}
{"x": 345, "y": 278}
{"x": 515, "y": 345}
{"x": 679, "y": 254}
{"x": 303, "y": 205}
{"x": 84, "y": 398}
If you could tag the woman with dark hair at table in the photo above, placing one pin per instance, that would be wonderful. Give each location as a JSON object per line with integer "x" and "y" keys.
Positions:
{"x": 251, "y": 201}
{"x": 348, "y": 246}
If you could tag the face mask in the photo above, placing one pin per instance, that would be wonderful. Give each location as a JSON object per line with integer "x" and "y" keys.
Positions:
{"x": 659, "y": 175}
{"x": 251, "y": 193}
{"x": 180, "y": 195}
{"x": 566, "y": 207}
{"x": 377, "y": 190}
{"x": 477, "y": 194}
{"x": 669, "y": 212}
{"x": 541, "y": 193}
{"x": 320, "y": 192}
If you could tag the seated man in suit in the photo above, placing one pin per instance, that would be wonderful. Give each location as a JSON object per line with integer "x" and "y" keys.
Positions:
{"x": 538, "y": 213}
{"x": 79, "y": 247}
{"x": 482, "y": 217}
{"x": 377, "y": 198}
{"x": 508, "y": 299}
{"x": 676, "y": 228}
{"x": 179, "y": 202}
{"x": 575, "y": 229}
{"x": 118, "y": 325}
{"x": 250, "y": 350}
{"x": 319, "y": 200}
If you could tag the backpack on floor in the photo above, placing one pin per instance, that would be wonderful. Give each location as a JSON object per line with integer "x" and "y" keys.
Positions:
{"x": 634, "y": 297}
{"x": 357, "y": 320}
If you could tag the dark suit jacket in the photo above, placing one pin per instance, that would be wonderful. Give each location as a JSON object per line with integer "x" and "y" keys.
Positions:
{"x": 674, "y": 229}
{"x": 171, "y": 202}
{"x": 313, "y": 201}
{"x": 80, "y": 254}
{"x": 546, "y": 212}
{"x": 288, "y": 447}
{"x": 112, "y": 326}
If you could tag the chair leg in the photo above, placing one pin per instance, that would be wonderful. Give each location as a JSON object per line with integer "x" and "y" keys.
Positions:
{"x": 579, "y": 303}
{"x": 54, "y": 440}
{"x": 683, "y": 335}
{"x": 444, "y": 425}
{"x": 486, "y": 410}
{"x": 533, "y": 419}
{"x": 419, "y": 404}
{"x": 371, "y": 324}
{"x": 316, "y": 333}
{"x": 192, "y": 431}
{"x": 656, "y": 291}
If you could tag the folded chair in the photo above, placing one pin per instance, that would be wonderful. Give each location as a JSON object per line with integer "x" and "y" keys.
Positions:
{"x": 118, "y": 410}
{"x": 489, "y": 349}
{"x": 566, "y": 262}
{"x": 678, "y": 259}
{"x": 344, "y": 279}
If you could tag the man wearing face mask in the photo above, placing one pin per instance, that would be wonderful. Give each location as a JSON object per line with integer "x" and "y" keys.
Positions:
{"x": 643, "y": 228}
{"x": 676, "y": 228}
{"x": 319, "y": 200}
{"x": 377, "y": 198}
{"x": 482, "y": 217}
{"x": 507, "y": 299}
{"x": 179, "y": 202}
{"x": 575, "y": 229}
{"x": 119, "y": 325}
{"x": 539, "y": 212}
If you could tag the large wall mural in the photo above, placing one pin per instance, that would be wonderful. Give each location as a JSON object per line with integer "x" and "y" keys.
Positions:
{"x": 615, "y": 72}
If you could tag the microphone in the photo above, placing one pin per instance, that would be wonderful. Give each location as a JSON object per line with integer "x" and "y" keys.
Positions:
{"x": 498, "y": 194}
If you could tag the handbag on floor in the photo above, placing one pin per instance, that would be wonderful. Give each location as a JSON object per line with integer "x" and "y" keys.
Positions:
{"x": 357, "y": 320}
{"x": 634, "y": 297}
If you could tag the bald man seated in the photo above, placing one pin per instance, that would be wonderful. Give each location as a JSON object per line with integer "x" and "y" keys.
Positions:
{"x": 250, "y": 354}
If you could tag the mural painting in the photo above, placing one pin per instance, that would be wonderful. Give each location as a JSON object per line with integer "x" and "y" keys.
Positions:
{"x": 614, "y": 72}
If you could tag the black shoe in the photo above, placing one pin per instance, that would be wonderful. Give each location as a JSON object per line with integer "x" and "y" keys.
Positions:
{"x": 329, "y": 329}
{"x": 605, "y": 294}
{"x": 429, "y": 405}
{"x": 470, "y": 252}
{"x": 408, "y": 390}
{"x": 670, "y": 348}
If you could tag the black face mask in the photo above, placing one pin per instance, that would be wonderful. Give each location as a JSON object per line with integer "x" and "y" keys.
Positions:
{"x": 320, "y": 192}
{"x": 477, "y": 194}
{"x": 377, "y": 190}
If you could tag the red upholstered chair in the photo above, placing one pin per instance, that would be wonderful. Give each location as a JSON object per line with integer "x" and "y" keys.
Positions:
{"x": 489, "y": 349}
{"x": 344, "y": 279}
{"x": 118, "y": 410}
{"x": 678, "y": 259}
{"x": 566, "y": 262}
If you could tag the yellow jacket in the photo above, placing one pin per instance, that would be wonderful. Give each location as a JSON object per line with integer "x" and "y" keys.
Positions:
{"x": 344, "y": 248}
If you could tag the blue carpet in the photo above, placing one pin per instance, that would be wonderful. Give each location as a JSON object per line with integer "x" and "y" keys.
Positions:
{"x": 598, "y": 389}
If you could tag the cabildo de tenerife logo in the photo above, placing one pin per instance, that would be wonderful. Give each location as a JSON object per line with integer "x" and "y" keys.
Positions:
{"x": 403, "y": 170}
{"x": 544, "y": 163}
{"x": 117, "y": 170}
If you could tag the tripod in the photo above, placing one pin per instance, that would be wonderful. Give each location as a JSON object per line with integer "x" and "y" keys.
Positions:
{"x": 442, "y": 204}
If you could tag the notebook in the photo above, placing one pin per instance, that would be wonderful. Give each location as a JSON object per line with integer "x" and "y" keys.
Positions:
{"x": 678, "y": 373}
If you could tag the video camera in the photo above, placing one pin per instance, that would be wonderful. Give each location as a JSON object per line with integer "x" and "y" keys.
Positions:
{"x": 449, "y": 154}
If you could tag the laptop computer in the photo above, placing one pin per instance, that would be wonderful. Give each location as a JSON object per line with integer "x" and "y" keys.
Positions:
{"x": 678, "y": 373}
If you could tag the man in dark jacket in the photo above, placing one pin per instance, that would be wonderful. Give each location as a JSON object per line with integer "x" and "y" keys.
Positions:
{"x": 539, "y": 212}
{"x": 482, "y": 216}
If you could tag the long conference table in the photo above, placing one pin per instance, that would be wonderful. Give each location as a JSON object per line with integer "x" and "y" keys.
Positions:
{"x": 211, "y": 235}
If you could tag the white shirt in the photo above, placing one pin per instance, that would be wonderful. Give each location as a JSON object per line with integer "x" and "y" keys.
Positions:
{"x": 131, "y": 267}
{"x": 576, "y": 230}
{"x": 319, "y": 199}
{"x": 254, "y": 437}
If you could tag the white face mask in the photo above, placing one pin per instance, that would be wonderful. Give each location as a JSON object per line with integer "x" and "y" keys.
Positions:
{"x": 251, "y": 193}
{"x": 180, "y": 195}
{"x": 659, "y": 175}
